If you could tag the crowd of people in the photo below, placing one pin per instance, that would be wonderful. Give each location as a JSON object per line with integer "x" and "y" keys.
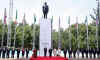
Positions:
{"x": 10, "y": 52}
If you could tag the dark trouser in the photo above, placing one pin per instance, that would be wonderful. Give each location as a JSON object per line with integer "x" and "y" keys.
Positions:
{"x": 3, "y": 55}
{"x": 50, "y": 54}
{"x": 70, "y": 55}
{"x": 22, "y": 55}
{"x": 12, "y": 56}
{"x": 74, "y": 55}
{"x": 82, "y": 55}
{"x": 44, "y": 53}
{"x": 26, "y": 55}
{"x": 17, "y": 55}
{"x": 65, "y": 55}
{"x": 45, "y": 15}
{"x": 94, "y": 55}
{"x": 90, "y": 55}
{"x": 7, "y": 55}
{"x": 0, "y": 55}
{"x": 86, "y": 55}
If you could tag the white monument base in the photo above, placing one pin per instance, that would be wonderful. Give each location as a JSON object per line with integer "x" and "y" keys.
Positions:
{"x": 45, "y": 35}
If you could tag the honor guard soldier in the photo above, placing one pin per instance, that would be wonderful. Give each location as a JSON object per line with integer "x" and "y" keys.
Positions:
{"x": 45, "y": 51}
{"x": 90, "y": 52}
{"x": 8, "y": 51}
{"x": 50, "y": 52}
{"x": 74, "y": 53}
{"x": 94, "y": 52}
{"x": 70, "y": 53}
{"x": 3, "y": 52}
{"x": 18, "y": 52}
{"x": 27, "y": 52}
{"x": 86, "y": 51}
{"x": 65, "y": 51}
{"x": 82, "y": 51}
{"x": 13, "y": 53}
{"x": 0, "y": 52}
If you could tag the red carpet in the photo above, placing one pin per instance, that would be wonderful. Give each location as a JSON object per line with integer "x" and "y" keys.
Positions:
{"x": 49, "y": 58}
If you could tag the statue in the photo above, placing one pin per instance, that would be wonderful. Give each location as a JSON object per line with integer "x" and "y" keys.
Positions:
{"x": 45, "y": 10}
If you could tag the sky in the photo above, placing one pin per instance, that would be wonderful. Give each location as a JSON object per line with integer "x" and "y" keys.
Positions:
{"x": 62, "y": 8}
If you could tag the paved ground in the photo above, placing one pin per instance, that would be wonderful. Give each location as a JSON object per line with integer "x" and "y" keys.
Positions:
{"x": 28, "y": 59}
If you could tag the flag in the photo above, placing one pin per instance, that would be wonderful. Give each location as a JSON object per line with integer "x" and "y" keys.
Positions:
{"x": 59, "y": 41}
{"x": 34, "y": 18}
{"x": 97, "y": 21}
{"x": 16, "y": 17}
{"x": 5, "y": 16}
{"x": 69, "y": 20}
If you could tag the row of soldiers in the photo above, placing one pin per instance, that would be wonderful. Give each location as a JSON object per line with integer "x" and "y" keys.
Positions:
{"x": 5, "y": 52}
{"x": 87, "y": 52}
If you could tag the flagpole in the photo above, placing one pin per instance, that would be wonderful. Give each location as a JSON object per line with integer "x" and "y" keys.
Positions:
{"x": 9, "y": 24}
{"x": 87, "y": 33}
{"x": 59, "y": 41}
{"x": 15, "y": 29}
{"x": 77, "y": 32}
{"x": 3, "y": 28}
{"x": 3, "y": 35}
{"x": 97, "y": 20}
{"x": 23, "y": 38}
{"x": 15, "y": 36}
{"x": 97, "y": 34}
{"x": 51, "y": 32}
{"x": 23, "y": 31}
{"x": 69, "y": 34}
{"x": 34, "y": 35}
{"x": 34, "y": 31}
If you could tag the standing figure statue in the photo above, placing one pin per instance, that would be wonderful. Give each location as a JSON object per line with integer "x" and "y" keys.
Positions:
{"x": 45, "y": 10}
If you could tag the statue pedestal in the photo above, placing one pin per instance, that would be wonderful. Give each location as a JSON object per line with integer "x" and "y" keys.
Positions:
{"x": 45, "y": 35}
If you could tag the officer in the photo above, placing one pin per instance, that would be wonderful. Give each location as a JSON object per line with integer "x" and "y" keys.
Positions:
{"x": 8, "y": 51}
{"x": 13, "y": 53}
{"x": 0, "y": 52}
{"x": 3, "y": 52}
{"x": 18, "y": 52}
{"x": 27, "y": 52}
{"x": 94, "y": 52}
{"x": 74, "y": 53}
{"x": 70, "y": 53}
{"x": 90, "y": 52}
{"x": 50, "y": 52}
{"x": 82, "y": 51}
{"x": 45, "y": 51}
{"x": 86, "y": 51}
{"x": 65, "y": 51}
